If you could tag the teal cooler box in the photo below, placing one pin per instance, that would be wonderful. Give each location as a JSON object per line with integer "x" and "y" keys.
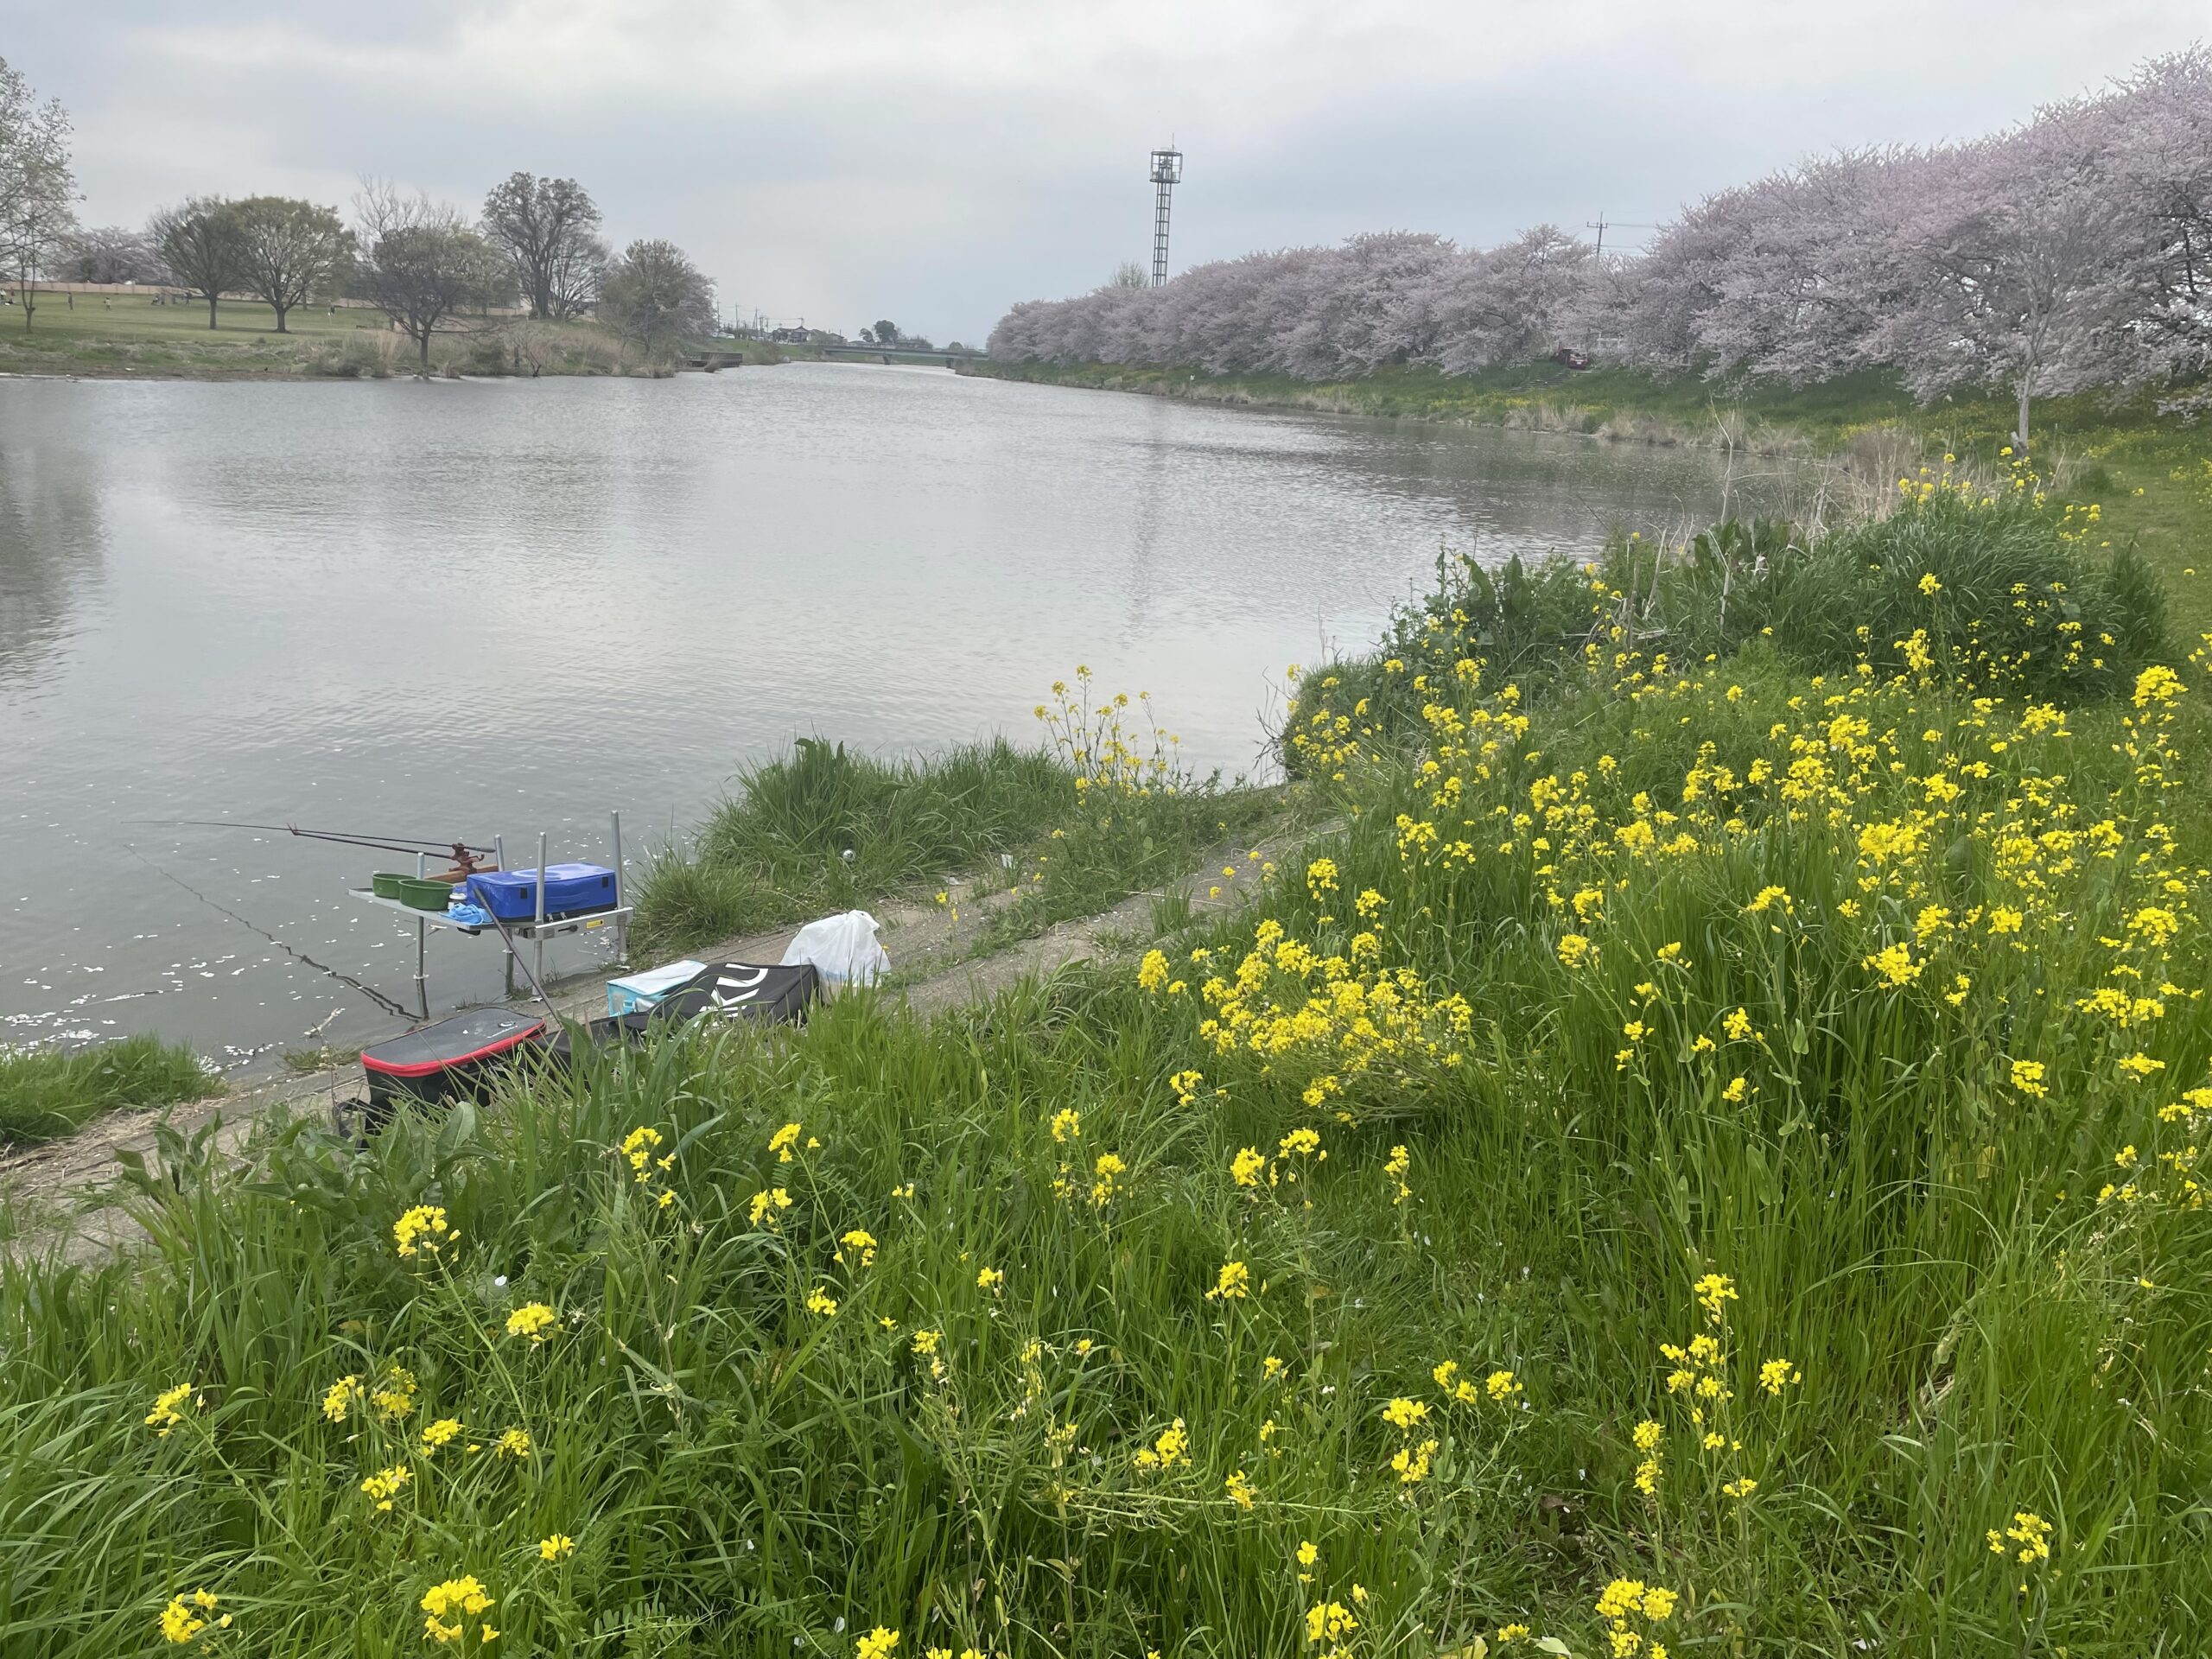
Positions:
{"x": 638, "y": 992}
{"x": 511, "y": 895}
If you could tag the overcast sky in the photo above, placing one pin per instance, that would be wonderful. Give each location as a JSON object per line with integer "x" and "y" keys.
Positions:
{"x": 933, "y": 161}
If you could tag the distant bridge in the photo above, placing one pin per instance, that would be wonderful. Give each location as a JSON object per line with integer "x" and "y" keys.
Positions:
{"x": 851, "y": 353}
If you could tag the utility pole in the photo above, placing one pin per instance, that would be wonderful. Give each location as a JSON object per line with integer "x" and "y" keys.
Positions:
{"x": 1601, "y": 225}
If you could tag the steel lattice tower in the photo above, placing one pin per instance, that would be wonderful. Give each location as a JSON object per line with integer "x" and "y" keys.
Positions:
{"x": 1166, "y": 174}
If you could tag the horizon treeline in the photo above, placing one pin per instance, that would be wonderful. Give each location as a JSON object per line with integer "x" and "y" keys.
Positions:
{"x": 2070, "y": 252}
{"x": 424, "y": 262}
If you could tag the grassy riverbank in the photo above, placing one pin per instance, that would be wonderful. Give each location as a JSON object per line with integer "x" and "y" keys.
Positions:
{"x": 2151, "y": 475}
{"x": 823, "y": 829}
{"x": 1705, "y": 1152}
{"x": 45, "y": 1093}
{"x": 118, "y": 336}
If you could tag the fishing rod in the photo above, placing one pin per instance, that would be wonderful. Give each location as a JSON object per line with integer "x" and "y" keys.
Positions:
{"x": 464, "y": 855}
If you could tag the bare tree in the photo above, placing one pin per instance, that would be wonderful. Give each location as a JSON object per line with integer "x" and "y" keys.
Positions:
{"x": 111, "y": 253}
{"x": 548, "y": 230}
{"x": 656, "y": 297}
{"x": 289, "y": 250}
{"x": 37, "y": 190}
{"x": 200, "y": 242}
{"x": 1129, "y": 274}
{"x": 422, "y": 263}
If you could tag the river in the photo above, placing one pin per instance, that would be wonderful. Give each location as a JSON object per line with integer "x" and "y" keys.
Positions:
{"x": 463, "y": 609}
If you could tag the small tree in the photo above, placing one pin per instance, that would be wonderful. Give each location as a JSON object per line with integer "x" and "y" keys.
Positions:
{"x": 548, "y": 230}
{"x": 422, "y": 263}
{"x": 655, "y": 296}
{"x": 289, "y": 250}
{"x": 886, "y": 332}
{"x": 37, "y": 190}
{"x": 200, "y": 242}
{"x": 1129, "y": 274}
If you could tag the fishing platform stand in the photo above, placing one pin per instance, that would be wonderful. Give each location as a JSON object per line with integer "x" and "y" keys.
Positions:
{"x": 538, "y": 930}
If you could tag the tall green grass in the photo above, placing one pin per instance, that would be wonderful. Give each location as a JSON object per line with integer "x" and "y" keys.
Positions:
{"x": 824, "y": 829}
{"x": 776, "y": 851}
{"x": 983, "y": 1374}
{"x": 2007, "y": 592}
{"x": 47, "y": 1092}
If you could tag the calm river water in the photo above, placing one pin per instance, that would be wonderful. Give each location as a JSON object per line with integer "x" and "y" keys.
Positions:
{"x": 469, "y": 608}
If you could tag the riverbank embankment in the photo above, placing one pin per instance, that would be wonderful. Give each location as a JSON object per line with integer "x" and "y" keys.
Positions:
{"x": 127, "y": 337}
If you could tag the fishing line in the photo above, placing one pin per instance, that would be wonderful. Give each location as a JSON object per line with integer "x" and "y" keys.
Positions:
{"x": 369, "y": 991}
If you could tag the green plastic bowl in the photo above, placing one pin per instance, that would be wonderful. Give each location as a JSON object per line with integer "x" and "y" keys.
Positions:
{"x": 385, "y": 885}
{"x": 421, "y": 894}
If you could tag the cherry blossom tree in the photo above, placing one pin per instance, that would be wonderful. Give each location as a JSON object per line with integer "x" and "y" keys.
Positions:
{"x": 2007, "y": 277}
{"x": 2073, "y": 251}
{"x": 2158, "y": 157}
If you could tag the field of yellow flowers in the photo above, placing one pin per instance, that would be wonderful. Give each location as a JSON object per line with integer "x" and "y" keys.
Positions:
{"x": 1705, "y": 1160}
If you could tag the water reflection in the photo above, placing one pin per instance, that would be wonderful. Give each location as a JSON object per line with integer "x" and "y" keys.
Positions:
{"x": 51, "y": 543}
{"x": 474, "y": 609}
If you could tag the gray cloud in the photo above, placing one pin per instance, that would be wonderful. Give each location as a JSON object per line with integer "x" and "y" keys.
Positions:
{"x": 847, "y": 159}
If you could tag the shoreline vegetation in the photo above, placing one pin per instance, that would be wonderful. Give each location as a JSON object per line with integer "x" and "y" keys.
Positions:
{"x": 127, "y": 336}
{"x": 45, "y": 1093}
{"x": 1700, "y": 1150}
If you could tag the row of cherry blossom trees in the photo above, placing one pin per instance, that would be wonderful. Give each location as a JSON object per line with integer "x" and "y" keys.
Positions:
{"x": 2072, "y": 252}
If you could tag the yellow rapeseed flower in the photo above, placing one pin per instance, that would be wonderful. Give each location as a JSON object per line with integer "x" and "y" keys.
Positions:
{"x": 1233, "y": 1283}
{"x": 422, "y": 1230}
{"x": 444, "y": 1604}
{"x": 340, "y": 1396}
{"x": 165, "y": 1415}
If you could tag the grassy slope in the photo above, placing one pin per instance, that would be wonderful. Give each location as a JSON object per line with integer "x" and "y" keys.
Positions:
{"x": 1656, "y": 976}
{"x": 131, "y": 336}
{"x": 2116, "y": 451}
{"x": 45, "y": 1093}
{"x": 778, "y": 851}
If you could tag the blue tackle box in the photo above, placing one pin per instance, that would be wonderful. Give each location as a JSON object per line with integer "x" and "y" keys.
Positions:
{"x": 511, "y": 895}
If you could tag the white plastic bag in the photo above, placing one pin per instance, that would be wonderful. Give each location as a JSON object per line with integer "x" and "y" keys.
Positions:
{"x": 842, "y": 949}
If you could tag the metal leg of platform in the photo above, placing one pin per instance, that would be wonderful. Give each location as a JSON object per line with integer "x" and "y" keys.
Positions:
{"x": 507, "y": 963}
{"x": 538, "y": 931}
{"x": 621, "y": 926}
{"x": 422, "y": 956}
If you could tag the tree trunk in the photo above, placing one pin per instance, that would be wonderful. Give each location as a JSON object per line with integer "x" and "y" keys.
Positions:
{"x": 422, "y": 340}
{"x": 2020, "y": 431}
{"x": 281, "y": 311}
{"x": 212, "y": 298}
